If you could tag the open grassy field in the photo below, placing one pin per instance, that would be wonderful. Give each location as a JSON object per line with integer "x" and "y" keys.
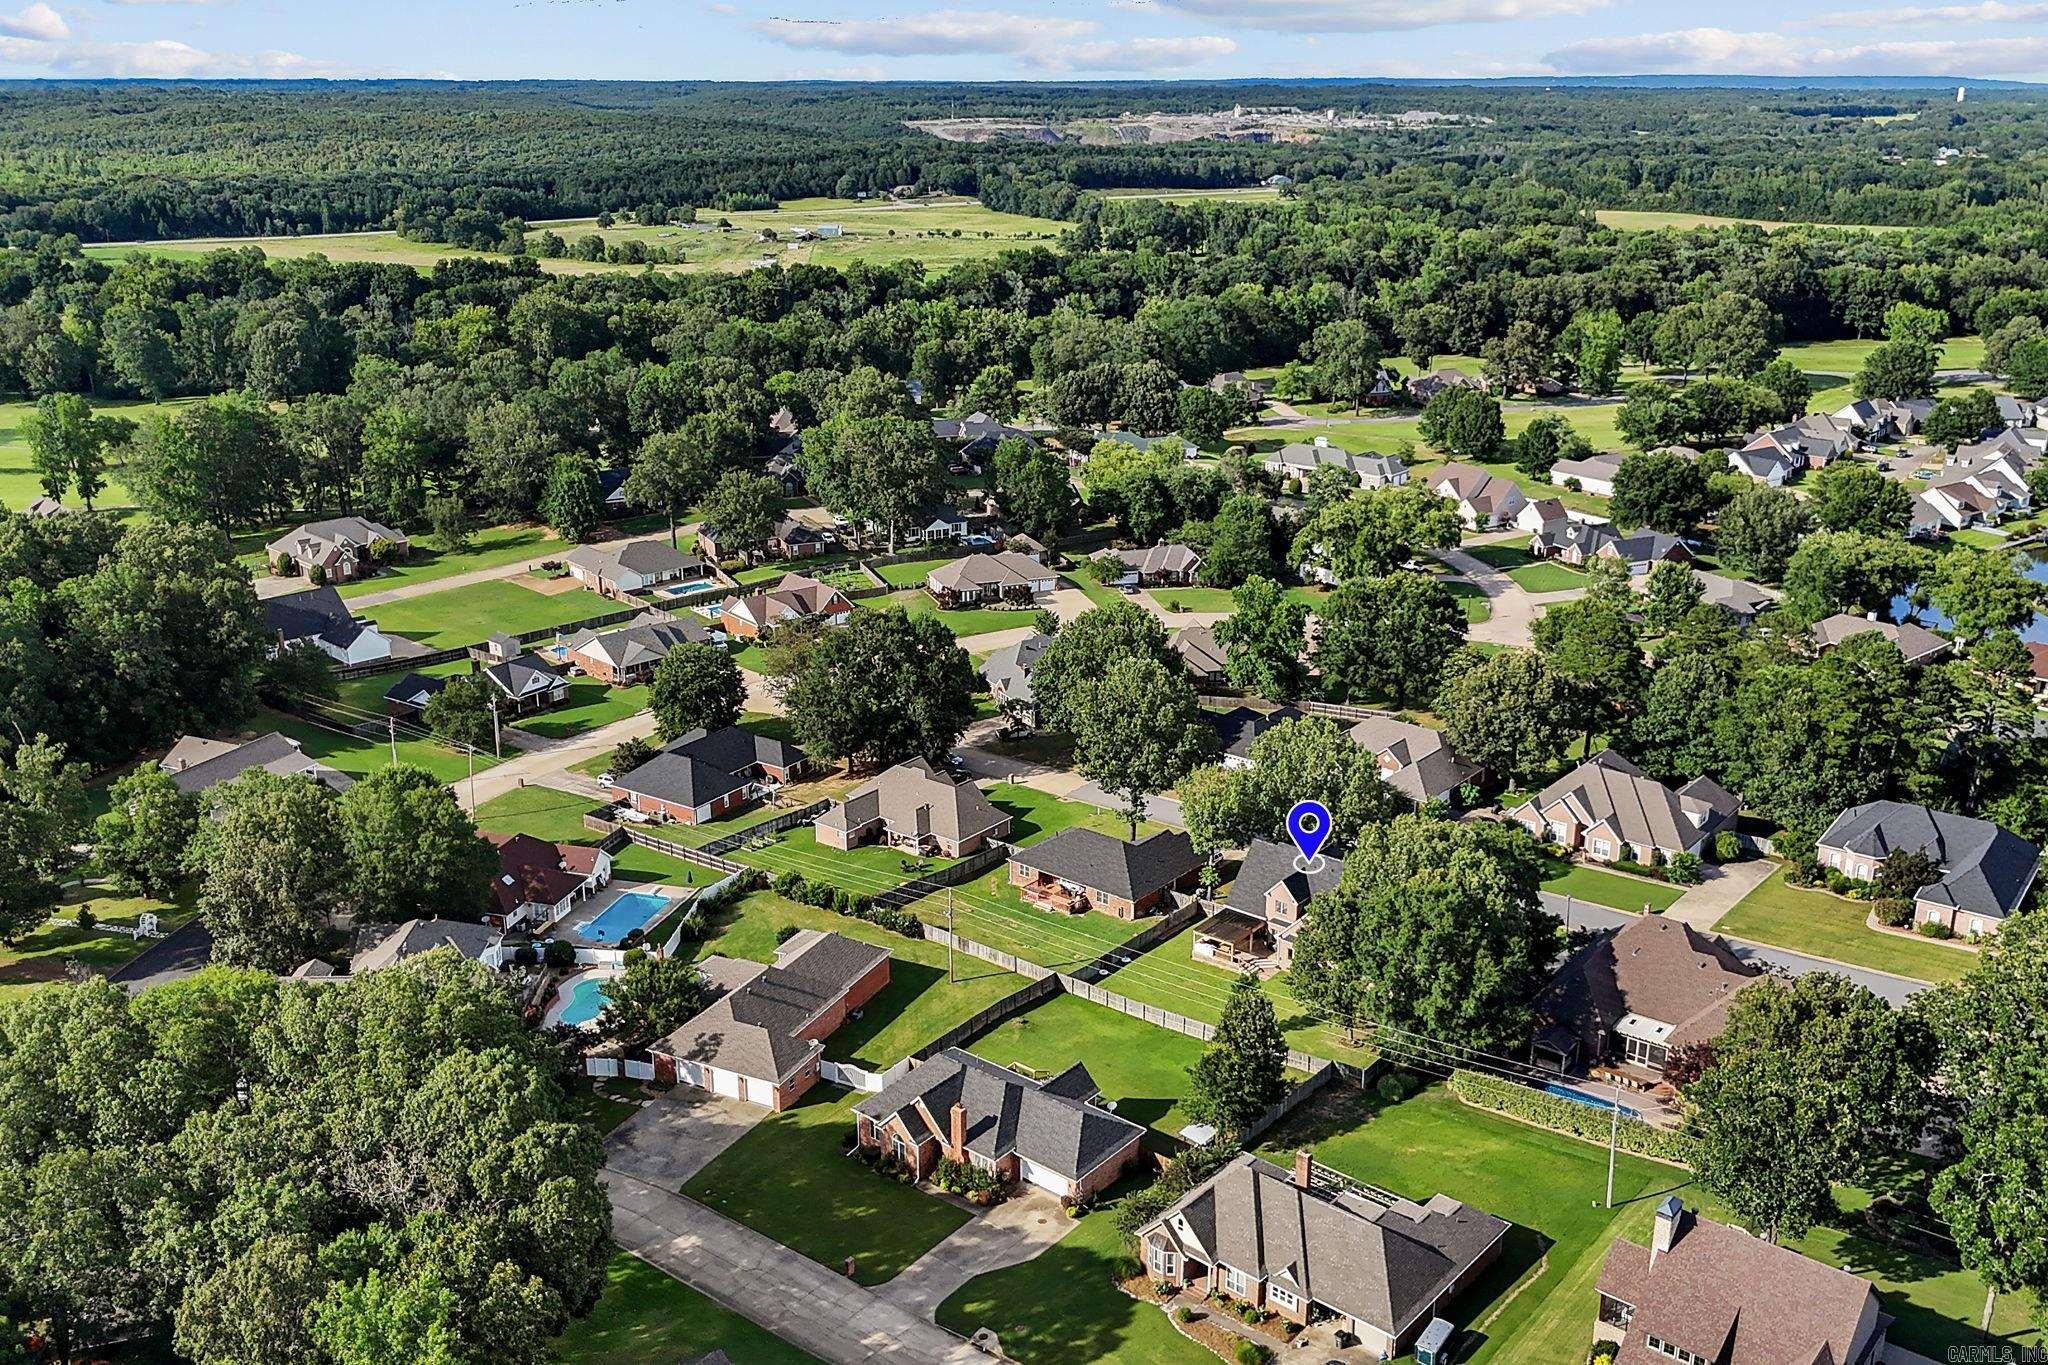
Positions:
{"x": 1170, "y": 977}
{"x": 360, "y": 755}
{"x": 1650, "y": 220}
{"x": 644, "y": 1315}
{"x": 1063, "y": 1306}
{"x": 1815, "y": 922}
{"x": 1239, "y": 194}
{"x": 42, "y": 954}
{"x": 937, "y": 232}
{"x": 1143, "y": 1070}
{"x": 469, "y": 614}
{"x": 18, "y": 484}
{"x": 488, "y": 549}
{"x": 789, "y": 1180}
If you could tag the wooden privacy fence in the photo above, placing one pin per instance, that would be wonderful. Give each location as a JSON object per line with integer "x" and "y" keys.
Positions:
{"x": 785, "y": 821}
{"x": 966, "y": 870}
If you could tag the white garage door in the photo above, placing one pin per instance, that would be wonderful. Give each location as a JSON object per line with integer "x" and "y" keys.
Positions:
{"x": 760, "y": 1092}
{"x": 1041, "y": 1177}
{"x": 690, "y": 1073}
{"x": 725, "y": 1082}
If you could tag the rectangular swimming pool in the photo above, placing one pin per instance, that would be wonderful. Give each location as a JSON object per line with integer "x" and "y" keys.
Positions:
{"x": 634, "y": 910}
{"x": 1565, "y": 1092}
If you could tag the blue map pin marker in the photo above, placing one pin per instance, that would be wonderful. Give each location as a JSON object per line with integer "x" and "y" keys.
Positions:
{"x": 1308, "y": 824}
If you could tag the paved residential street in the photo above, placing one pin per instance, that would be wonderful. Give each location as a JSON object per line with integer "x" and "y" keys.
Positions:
{"x": 1009, "y": 1234}
{"x": 1512, "y": 609}
{"x": 791, "y": 1295}
{"x": 550, "y": 766}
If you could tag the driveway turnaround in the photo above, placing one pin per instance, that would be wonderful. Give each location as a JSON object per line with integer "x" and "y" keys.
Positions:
{"x": 1011, "y": 1233}
{"x": 678, "y": 1135}
{"x": 792, "y": 1296}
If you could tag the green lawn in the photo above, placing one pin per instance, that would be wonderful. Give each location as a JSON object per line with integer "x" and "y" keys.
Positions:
{"x": 911, "y": 573}
{"x": 1063, "y": 1306}
{"x": 1169, "y": 976}
{"x": 1827, "y": 926}
{"x": 591, "y": 704}
{"x": 989, "y": 911}
{"x": 488, "y": 549}
{"x": 1471, "y": 599}
{"x": 360, "y": 755}
{"x": 1142, "y": 1068}
{"x": 367, "y": 692}
{"x": 602, "y": 1104}
{"x": 917, "y": 1005}
{"x": 789, "y": 1179}
{"x": 1611, "y": 889}
{"x": 18, "y": 482}
{"x": 467, "y": 615}
{"x": 557, "y": 816}
{"x": 1550, "y": 1187}
{"x": 41, "y": 955}
{"x": 870, "y": 868}
{"x": 643, "y": 1316}
{"x": 1650, "y": 220}
{"x": 964, "y": 622}
{"x": 1529, "y": 573}
{"x": 1220, "y": 599}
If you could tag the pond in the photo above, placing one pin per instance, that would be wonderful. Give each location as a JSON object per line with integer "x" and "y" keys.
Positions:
{"x": 2033, "y": 632}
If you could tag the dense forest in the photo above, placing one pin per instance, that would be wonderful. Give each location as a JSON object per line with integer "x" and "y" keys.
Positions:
{"x": 114, "y": 162}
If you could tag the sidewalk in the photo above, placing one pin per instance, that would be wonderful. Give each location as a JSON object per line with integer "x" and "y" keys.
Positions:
{"x": 791, "y": 1295}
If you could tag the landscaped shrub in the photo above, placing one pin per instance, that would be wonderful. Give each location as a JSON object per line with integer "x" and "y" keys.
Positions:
{"x": 86, "y": 919}
{"x": 1184, "y": 1314}
{"x": 1684, "y": 869}
{"x": 526, "y": 955}
{"x": 287, "y": 567}
{"x": 1836, "y": 881}
{"x": 1893, "y": 914}
{"x": 561, "y": 956}
{"x": 969, "y": 1181}
{"x": 1934, "y": 928}
{"x": 1395, "y": 1086}
{"x": 1251, "y": 1353}
{"x": 316, "y": 574}
{"x": 1563, "y": 1116}
{"x": 1604, "y": 1353}
{"x": 786, "y": 933}
{"x": 1727, "y": 848}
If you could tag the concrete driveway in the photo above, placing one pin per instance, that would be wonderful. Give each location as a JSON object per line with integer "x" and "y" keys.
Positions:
{"x": 678, "y": 1135}
{"x": 1011, "y": 1233}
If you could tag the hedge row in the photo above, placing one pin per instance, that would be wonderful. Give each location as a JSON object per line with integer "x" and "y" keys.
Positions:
{"x": 1564, "y": 1116}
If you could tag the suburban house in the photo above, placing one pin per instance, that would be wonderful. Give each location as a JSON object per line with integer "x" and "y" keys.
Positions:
{"x": 1004, "y": 576}
{"x": 744, "y": 753}
{"x": 1739, "y": 597}
{"x": 1541, "y": 512}
{"x": 1054, "y": 1135}
{"x": 762, "y": 1038}
{"x": 2017, "y": 412}
{"x": 1623, "y": 1003}
{"x": 318, "y": 617}
{"x": 680, "y": 789}
{"x": 477, "y": 942}
{"x": 1204, "y": 655}
{"x": 1918, "y": 644}
{"x": 2007, "y": 443}
{"x": 1607, "y": 810}
{"x": 916, "y": 807}
{"x": 1424, "y": 387}
{"x": 196, "y": 764}
{"x": 791, "y": 539}
{"x": 624, "y": 655}
{"x": 1008, "y": 675}
{"x": 1414, "y": 760}
{"x": 795, "y": 598}
{"x": 2037, "y": 669}
{"x": 1885, "y": 419}
{"x": 1079, "y": 869}
{"x": 1311, "y": 1245}
{"x": 1706, "y": 1292}
{"x": 1981, "y": 492}
{"x": 1774, "y": 456}
{"x": 538, "y": 882}
{"x": 1162, "y": 566}
{"x": 1239, "y": 727}
{"x": 1594, "y": 474}
{"x": 408, "y": 697}
{"x": 611, "y": 489}
{"x": 632, "y": 566}
{"x": 1485, "y": 501}
{"x": 1297, "y": 459}
{"x": 1258, "y": 388}
{"x": 341, "y": 548}
{"x": 1986, "y": 872}
{"x": 1256, "y": 928}
{"x": 1577, "y": 543}
{"x": 526, "y": 683}
{"x": 932, "y": 524}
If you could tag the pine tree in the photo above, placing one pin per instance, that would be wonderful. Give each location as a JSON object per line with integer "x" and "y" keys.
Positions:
{"x": 1244, "y": 1072}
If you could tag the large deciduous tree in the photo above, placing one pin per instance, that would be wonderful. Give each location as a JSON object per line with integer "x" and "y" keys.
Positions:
{"x": 269, "y": 878}
{"x": 885, "y": 687}
{"x": 1138, "y": 730}
{"x": 696, "y": 687}
{"x": 1377, "y": 532}
{"x": 1262, "y": 640}
{"x": 742, "y": 508}
{"x": 1244, "y": 1071}
{"x": 1085, "y": 648}
{"x": 1512, "y": 713}
{"x": 413, "y": 853}
{"x": 1760, "y": 530}
{"x": 1660, "y": 489}
{"x": 1307, "y": 759}
{"x": 1388, "y": 637}
{"x": 140, "y": 841}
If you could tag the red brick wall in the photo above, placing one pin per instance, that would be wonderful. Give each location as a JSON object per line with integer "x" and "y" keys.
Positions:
{"x": 1105, "y": 1175}
{"x": 862, "y": 991}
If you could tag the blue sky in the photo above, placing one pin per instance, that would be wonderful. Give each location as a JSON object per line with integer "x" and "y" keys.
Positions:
{"x": 1033, "y": 39}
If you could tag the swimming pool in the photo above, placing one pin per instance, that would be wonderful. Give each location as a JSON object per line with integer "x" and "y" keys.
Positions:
{"x": 1565, "y": 1092}
{"x": 586, "y": 1001}
{"x": 673, "y": 590}
{"x": 633, "y": 910}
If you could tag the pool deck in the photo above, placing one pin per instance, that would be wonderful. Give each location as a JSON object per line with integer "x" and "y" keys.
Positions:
{"x": 570, "y": 928}
{"x": 565, "y": 992}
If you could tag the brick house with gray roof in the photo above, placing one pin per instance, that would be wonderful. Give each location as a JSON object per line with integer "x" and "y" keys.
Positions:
{"x": 1710, "y": 1294}
{"x": 1607, "y": 810}
{"x": 1081, "y": 869}
{"x": 914, "y": 806}
{"x": 1312, "y": 1246}
{"x": 1986, "y": 872}
{"x": 1053, "y": 1134}
{"x": 762, "y": 1038}
{"x": 1268, "y": 901}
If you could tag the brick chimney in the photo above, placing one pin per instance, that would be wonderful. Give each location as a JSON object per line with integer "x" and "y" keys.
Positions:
{"x": 959, "y": 1132}
{"x": 1304, "y": 1166}
{"x": 1670, "y": 1221}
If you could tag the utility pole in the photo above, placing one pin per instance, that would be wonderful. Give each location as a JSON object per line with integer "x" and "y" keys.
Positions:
{"x": 949, "y": 937}
{"x": 391, "y": 724}
{"x": 1613, "y": 1138}
{"x": 470, "y": 749}
{"x": 497, "y": 739}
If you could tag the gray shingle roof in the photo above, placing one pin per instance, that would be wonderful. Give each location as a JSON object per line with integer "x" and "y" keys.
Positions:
{"x": 1266, "y": 865}
{"x": 752, "y": 1028}
{"x": 642, "y": 642}
{"x": 1238, "y": 727}
{"x": 1008, "y": 670}
{"x": 271, "y": 752}
{"x": 1425, "y": 768}
{"x": 914, "y": 798}
{"x": 735, "y": 749}
{"x": 1047, "y": 1124}
{"x": 311, "y": 613}
{"x": 1608, "y": 789}
{"x": 1384, "y": 1264}
{"x": 1101, "y": 863}
{"x": 524, "y": 676}
{"x": 1985, "y": 870}
{"x": 679, "y": 779}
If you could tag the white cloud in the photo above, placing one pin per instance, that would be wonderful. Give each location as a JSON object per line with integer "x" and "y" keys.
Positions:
{"x": 1720, "y": 51}
{"x": 1054, "y": 43}
{"x": 1374, "y": 16}
{"x": 38, "y": 23}
{"x": 1989, "y": 12}
{"x": 168, "y": 59}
